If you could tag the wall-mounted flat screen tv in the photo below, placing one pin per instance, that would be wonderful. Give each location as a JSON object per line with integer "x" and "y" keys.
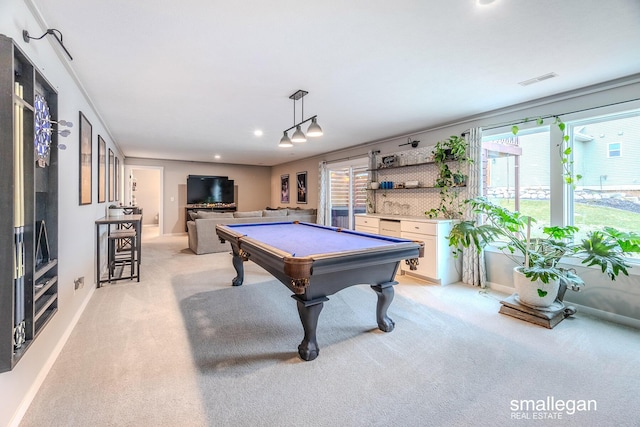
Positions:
{"x": 209, "y": 189}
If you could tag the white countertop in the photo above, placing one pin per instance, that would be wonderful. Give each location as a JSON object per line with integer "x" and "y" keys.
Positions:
{"x": 404, "y": 217}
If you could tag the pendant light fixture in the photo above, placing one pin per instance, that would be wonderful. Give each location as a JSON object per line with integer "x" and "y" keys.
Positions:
{"x": 314, "y": 128}
{"x": 298, "y": 135}
{"x": 313, "y": 131}
{"x": 285, "y": 142}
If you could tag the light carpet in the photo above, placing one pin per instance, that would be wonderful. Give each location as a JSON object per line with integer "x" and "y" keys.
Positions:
{"x": 184, "y": 348}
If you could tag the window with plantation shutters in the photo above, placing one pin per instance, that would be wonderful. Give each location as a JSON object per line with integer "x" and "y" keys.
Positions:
{"x": 347, "y": 193}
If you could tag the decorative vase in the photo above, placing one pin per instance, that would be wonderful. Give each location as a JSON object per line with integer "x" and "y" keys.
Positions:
{"x": 534, "y": 294}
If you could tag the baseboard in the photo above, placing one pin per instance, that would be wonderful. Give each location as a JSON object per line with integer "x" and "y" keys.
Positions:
{"x": 605, "y": 315}
{"x": 419, "y": 277}
{"x": 44, "y": 371}
{"x": 601, "y": 314}
{"x": 507, "y": 290}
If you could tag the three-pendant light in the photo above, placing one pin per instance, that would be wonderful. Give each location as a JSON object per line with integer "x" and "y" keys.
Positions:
{"x": 313, "y": 131}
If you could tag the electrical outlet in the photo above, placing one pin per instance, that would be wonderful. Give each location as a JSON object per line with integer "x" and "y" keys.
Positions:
{"x": 79, "y": 283}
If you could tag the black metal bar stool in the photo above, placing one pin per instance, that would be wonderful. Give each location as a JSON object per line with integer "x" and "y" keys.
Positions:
{"x": 123, "y": 249}
{"x": 128, "y": 210}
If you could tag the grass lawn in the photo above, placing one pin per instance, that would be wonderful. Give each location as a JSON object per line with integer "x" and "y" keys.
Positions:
{"x": 587, "y": 217}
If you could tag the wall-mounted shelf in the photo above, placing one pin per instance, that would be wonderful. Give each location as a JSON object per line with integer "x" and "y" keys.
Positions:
{"x": 400, "y": 166}
{"x": 413, "y": 188}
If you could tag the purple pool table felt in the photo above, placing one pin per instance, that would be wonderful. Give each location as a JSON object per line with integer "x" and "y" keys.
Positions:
{"x": 302, "y": 239}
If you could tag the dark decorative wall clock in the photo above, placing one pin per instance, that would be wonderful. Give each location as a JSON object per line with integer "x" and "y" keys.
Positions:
{"x": 42, "y": 139}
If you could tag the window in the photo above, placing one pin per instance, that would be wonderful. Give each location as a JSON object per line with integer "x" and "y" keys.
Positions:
{"x": 608, "y": 194}
{"x": 614, "y": 149}
{"x": 347, "y": 193}
{"x": 517, "y": 173}
{"x": 523, "y": 172}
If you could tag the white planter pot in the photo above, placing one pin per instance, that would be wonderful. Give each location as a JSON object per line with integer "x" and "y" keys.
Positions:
{"x": 115, "y": 212}
{"x": 528, "y": 291}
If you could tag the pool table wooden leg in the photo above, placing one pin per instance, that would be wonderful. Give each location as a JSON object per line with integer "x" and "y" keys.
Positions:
{"x": 309, "y": 312}
{"x": 385, "y": 296}
{"x": 238, "y": 264}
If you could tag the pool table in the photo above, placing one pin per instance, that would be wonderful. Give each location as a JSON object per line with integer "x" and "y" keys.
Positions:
{"x": 315, "y": 261}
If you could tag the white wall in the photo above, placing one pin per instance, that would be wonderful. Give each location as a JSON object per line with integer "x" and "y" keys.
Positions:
{"x": 76, "y": 223}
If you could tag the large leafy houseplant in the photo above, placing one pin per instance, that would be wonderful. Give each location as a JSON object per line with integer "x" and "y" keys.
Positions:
{"x": 541, "y": 257}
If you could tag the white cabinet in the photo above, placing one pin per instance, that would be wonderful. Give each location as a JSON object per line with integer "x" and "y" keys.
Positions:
{"x": 427, "y": 265}
{"x": 390, "y": 228}
{"x": 438, "y": 264}
{"x": 367, "y": 224}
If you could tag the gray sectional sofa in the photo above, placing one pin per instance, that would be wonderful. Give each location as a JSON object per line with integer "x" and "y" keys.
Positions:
{"x": 201, "y": 227}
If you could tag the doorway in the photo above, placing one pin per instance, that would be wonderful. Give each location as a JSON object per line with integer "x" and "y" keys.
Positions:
{"x": 143, "y": 187}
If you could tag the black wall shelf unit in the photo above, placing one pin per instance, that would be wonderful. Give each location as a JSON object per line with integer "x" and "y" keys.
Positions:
{"x": 28, "y": 207}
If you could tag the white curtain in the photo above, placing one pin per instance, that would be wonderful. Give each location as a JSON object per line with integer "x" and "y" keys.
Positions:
{"x": 473, "y": 268}
{"x": 322, "y": 193}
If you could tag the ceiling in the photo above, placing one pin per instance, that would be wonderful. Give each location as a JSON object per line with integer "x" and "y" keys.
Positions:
{"x": 187, "y": 80}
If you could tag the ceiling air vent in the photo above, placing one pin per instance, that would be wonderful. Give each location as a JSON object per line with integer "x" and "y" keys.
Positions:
{"x": 538, "y": 79}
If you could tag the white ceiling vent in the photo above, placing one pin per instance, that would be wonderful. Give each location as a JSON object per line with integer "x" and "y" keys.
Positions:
{"x": 538, "y": 79}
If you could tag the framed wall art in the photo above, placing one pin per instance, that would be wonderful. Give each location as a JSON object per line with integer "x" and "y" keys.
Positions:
{"x": 86, "y": 160}
{"x": 111, "y": 175}
{"x": 284, "y": 188}
{"x": 102, "y": 170}
{"x": 301, "y": 179}
{"x": 117, "y": 179}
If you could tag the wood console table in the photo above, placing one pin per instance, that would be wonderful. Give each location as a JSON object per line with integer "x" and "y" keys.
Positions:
{"x": 135, "y": 220}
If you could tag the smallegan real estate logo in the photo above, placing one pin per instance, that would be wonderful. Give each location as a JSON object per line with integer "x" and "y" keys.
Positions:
{"x": 549, "y": 408}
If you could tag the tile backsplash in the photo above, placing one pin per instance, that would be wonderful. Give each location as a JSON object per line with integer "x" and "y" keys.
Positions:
{"x": 411, "y": 165}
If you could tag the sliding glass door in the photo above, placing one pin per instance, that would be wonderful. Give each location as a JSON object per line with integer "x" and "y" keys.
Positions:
{"x": 347, "y": 192}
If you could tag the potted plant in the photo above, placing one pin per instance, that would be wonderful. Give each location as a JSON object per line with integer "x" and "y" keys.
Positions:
{"x": 539, "y": 259}
{"x": 451, "y": 156}
{"x": 370, "y": 207}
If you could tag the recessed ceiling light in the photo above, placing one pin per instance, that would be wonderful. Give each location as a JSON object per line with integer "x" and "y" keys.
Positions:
{"x": 257, "y": 132}
{"x": 217, "y": 157}
{"x": 484, "y": 2}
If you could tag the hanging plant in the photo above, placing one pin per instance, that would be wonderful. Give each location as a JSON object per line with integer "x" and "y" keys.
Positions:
{"x": 564, "y": 150}
{"x": 450, "y": 152}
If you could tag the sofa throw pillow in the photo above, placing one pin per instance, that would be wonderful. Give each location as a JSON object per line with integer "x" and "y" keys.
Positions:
{"x": 248, "y": 214}
{"x": 214, "y": 215}
{"x": 280, "y": 212}
{"x": 303, "y": 212}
